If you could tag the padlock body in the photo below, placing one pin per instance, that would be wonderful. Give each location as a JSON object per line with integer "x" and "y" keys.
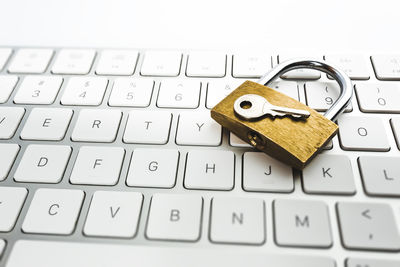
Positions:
{"x": 293, "y": 141}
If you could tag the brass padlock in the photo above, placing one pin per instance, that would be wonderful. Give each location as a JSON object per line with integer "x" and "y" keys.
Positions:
{"x": 294, "y": 136}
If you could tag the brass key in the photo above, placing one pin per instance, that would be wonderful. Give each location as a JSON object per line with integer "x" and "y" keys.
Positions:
{"x": 277, "y": 124}
{"x": 252, "y": 106}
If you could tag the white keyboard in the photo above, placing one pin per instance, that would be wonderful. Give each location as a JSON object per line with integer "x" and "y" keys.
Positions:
{"x": 110, "y": 158}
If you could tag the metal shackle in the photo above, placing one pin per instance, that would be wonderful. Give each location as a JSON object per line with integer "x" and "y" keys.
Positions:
{"x": 346, "y": 87}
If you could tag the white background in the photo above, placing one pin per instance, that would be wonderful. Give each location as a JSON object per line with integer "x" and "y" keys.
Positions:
{"x": 269, "y": 25}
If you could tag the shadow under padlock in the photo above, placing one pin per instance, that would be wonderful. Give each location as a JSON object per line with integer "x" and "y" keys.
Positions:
{"x": 293, "y": 139}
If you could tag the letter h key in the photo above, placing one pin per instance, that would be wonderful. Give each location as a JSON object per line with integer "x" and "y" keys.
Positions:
{"x": 277, "y": 124}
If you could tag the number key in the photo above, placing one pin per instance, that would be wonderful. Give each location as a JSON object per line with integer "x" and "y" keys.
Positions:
{"x": 38, "y": 90}
{"x": 378, "y": 97}
{"x": 128, "y": 92}
{"x": 320, "y": 96}
{"x": 179, "y": 94}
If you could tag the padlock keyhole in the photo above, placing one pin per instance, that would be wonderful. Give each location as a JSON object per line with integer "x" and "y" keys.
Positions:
{"x": 256, "y": 140}
{"x": 245, "y": 104}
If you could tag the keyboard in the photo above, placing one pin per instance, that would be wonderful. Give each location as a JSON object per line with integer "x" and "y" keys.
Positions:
{"x": 110, "y": 158}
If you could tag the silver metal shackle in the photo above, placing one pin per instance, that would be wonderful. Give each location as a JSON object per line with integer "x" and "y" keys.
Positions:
{"x": 346, "y": 87}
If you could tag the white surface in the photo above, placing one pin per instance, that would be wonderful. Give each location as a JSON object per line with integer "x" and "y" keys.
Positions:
{"x": 114, "y": 214}
{"x": 11, "y": 199}
{"x": 7, "y": 84}
{"x": 368, "y": 226}
{"x": 237, "y": 220}
{"x": 31, "y": 61}
{"x": 153, "y": 168}
{"x": 329, "y": 174}
{"x": 38, "y": 90}
{"x": 66, "y": 254}
{"x": 8, "y": 152}
{"x": 206, "y": 64}
{"x": 73, "y": 61}
{"x": 198, "y": 128}
{"x": 85, "y": 91}
{"x": 284, "y": 25}
{"x": 179, "y": 94}
{"x": 131, "y": 92}
{"x": 174, "y": 217}
{"x": 303, "y": 223}
{"x": 47, "y": 124}
{"x": 97, "y": 125}
{"x": 210, "y": 169}
{"x": 10, "y": 117}
{"x": 43, "y": 164}
{"x": 98, "y": 165}
{"x": 116, "y": 62}
{"x": 265, "y": 174}
{"x": 148, "y": 127}
{"x": 53, "y": 211}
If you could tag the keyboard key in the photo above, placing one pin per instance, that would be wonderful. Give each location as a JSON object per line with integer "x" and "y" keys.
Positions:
{"x": 85, "y": 91}
{"x": 179, "y": 94}
{"x": 378, "y": 97}
{"x": 153, "y": 168}
{"x": 368, "y": 226}
{"x": 31, "y": 253}
{"x": 97, "y": 125}
{"x": 148, "y": 127}
{"x": 387, "y": 67}
{"x": 265, "y": 174}
{"x": 74, "y": 61}
{"x": 302, "y": 223}
{"x": 10, "y": 118}
{"x": 97, "y": 165}
{"x": 237, "y": 220}
{"x": 355, "y": 262}
{"x": 31, "y": 61}
{"x": 43, "y": 164}
{"x": 206, "y": 64}
{"x": 5, "y": 53}
{"x": 38, "y": 90}
{"x": 53, "y": 211}
{"x": 250, "y": 65}
{"x": 161, "y": 63}
{"x": 236, "y": 141}
{"x": 395, "y": 122}
{"x": 321, "y": 96}
{"x": 197, "y": 128}
{"x": 131, "y": 92}
{"x": 7, "y": 85}
{"x": 219, "y": 89}
{"x": 11, "y": 201}
{"x": 174, "y": 217}
{"x": 288, "y": 88}
{"x": 8, "y": 153}
{"x": 362, "y": 133}
{"x": 113, "y": 214}
{"x": 210, "y": 169}
{"x": 329, "y": 174}
{"x": 2, "y": 246}
{"x": 117, "y": 62}
{"x": 47, "y": 124}
{"x": 355, "y": 66}
{"x": 381, "y": 175}
{"x": 299, "y": 74}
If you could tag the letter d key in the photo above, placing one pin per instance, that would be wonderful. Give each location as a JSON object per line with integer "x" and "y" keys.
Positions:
{"x": 277, "y": 124}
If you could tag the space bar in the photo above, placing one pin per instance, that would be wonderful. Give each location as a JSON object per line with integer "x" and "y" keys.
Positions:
{"x": 66, "y": 254}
